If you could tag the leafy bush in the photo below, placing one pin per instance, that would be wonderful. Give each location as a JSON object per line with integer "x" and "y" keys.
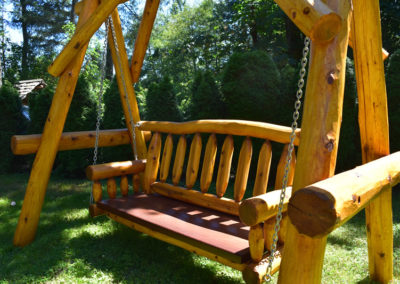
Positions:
{"x": 12, "y": 122}
{"x": 114, "y": 118}
{"x": 39, "y": 106}
{"x": 251, "y": 87}
{"x": 81, "y": 116}
{"x": 393, "y": 93}
{"x": 349, "y": 152}
{"x": 161, "y": 102}
{"x": 206, "y": 100}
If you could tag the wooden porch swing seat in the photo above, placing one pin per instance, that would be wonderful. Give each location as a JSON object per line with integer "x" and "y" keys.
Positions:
{"x": 187, "y": 215}
{"x": 236, "y": 228}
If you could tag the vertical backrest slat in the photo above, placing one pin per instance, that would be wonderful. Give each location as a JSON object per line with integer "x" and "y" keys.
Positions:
{"x": 263, "y": 167}
{"x": 166, "y": 158}
{"x": 124, "y": 186}
{"x": 208, "y": 163}
{"x": 97, "y": 191}
{"x": 179, "y": 159}
{"x": 243, "y": 168}
{"x": 153, "y": 162}
{"x": 224, "y": 166}
{"x": 280, "y": 172}
{"x": 194, "y": 161}
{"x": 111, "y": 188}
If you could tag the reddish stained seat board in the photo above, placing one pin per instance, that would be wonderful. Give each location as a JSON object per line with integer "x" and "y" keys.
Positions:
{"x": 219, "y": 233}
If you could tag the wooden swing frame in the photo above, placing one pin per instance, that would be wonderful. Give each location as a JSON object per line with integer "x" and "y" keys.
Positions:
{"x": 332, "y": 25}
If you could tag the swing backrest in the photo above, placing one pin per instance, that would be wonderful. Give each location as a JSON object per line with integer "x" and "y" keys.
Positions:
{"x": 181, "y": 177}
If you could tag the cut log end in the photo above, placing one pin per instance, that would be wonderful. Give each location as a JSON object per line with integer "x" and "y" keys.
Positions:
{"x": 312, "y": 211}
{"x": 326, "y": 28}
{"x": 249, "y": 213}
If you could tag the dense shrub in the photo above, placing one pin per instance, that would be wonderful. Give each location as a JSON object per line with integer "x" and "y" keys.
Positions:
{"x": 161, "y": 102}
{"x": 349, "y": 152}
{"x": 206, "y": 102}
{"x": 393, "y": 93}
{"x": 81, "y": 116}
{"x": 11, "y": 122}
{"x": 251, "y": 88}
{"x": 114, "y": 118}
{"x": 39, "y": 105}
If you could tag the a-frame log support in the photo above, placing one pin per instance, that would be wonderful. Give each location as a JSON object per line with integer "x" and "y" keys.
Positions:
{"x": 44, "y": 160}
{"x": 143, "y": 37}
{"x": 374, "y": 131}
{"x": 303, "y": 256}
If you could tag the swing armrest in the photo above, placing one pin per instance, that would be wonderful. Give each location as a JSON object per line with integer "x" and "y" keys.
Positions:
{"x": 318, "y": 209}
{"x": 114, "y": 169}
{"x": 257, "y": 209}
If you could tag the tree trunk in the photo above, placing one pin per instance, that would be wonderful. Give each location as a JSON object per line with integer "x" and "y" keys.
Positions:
{"x": 72, "y": 12}
{"x": 25, "y": 42}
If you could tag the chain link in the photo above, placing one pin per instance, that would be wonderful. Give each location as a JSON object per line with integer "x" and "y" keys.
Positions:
{"x": 132, "y": 124}
{"x": 100, "y": 103}
{"x": 296, "y": 114}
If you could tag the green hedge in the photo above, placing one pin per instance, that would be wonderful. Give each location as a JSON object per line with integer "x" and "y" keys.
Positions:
{"x": 12, "y": 122}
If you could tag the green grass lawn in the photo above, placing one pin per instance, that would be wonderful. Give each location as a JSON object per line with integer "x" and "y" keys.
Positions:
{"x": 70, "y": 247}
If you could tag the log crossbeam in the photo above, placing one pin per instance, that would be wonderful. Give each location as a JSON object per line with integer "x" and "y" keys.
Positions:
{"x": 318, "y": 209}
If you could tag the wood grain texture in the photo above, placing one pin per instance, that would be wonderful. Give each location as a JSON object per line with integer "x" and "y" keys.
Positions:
{"x": 97, "y": 191}
{"x": 272, "y": 132}
{"x": 280, "y": 172}
{"x": 374, "y": 131}
{"x": 153, "y": 162}
{"x": 256, "y": 242}
{"x": 115, "y": 169}
{"x": 29, "y": 144}
{"x": 259, "y": 208}
{"x": 318, "y": 209}
{"x": 166, "y": 158}
{"x": 315, "y": 19}
{"x": 194, "y": 160}
{"x": 243, "y": 168}
{"x": 224, "y": 169}
{"x": 179, "y": 160}
{"x": 195, "y": 197}
{"x": 263, "y": 167}
{"x": 208, "y": 163}
{"x": 111, "y": 188}
{"x": 303, "y": 256}
{"x": 44, "y": 160}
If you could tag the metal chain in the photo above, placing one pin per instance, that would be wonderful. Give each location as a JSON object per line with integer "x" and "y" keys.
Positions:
{"x": 294, "y": 126}
{"x": 132, "y": 124}
{"x": 100, "y": 103}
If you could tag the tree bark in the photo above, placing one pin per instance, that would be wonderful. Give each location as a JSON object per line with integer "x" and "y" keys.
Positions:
{"x": 25, "y": 42}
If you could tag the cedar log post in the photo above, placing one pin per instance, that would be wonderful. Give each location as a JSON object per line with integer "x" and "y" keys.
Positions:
{"x": 123, "y": 74}
{"x": 41, "y": 170}
{"x": 374, "y": 131}
{"x": 303, "y": 256}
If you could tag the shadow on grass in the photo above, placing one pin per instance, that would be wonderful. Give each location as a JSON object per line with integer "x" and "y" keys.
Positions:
{"x": 70, "y": 246}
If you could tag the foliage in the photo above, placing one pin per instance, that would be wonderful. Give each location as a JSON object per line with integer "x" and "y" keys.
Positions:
{"x": 12, "y": 122}
{"x": 81, "y": 116}
{"x": 393, "y": 93}
{"x": 39, "y": 106}
{"x": 114, "y": 118}
{"x": 251, "y": 87}
{"x": 349, "y": 153}
{"x": 206, "y": 102}
{"x": 161, "y": 102}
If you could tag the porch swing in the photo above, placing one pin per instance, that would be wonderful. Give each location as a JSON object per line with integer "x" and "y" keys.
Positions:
{"x": 243, "y": 234}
